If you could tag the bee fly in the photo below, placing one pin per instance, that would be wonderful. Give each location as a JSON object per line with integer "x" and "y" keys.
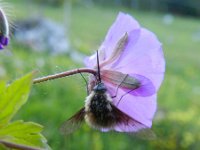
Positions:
{"x": 99, "y": 111}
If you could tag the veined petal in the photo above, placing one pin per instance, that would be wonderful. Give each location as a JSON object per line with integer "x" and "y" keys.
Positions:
{"x": 145, "y": 57}
{"x": 139, "y": 108}
{"x": 123, "y": 24}
{"x": 146, "y": 87}
{"x": 120, "y": 46}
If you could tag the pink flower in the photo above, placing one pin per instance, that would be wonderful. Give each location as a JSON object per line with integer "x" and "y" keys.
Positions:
{"x": 131, "y": 50}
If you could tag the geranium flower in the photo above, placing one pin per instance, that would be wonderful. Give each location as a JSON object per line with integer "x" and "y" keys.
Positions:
{"x": 126, "y": 73}
{"x": 4, "y": 30}
{"x": 131, "y": 51}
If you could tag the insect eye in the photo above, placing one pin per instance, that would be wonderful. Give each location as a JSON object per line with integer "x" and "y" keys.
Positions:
{"x": 100, "y": 88}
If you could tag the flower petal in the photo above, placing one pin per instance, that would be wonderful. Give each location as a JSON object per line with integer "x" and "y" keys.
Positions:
{"x": 141, "y": 109}
{"x": 120, "y": 46}
{"x": 91, "y": 61}
{"x": 145, "y": 57}
{"x": 146, "y": 87}
{"x": 123, "y": 24}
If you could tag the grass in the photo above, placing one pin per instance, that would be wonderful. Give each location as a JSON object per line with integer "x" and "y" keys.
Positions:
{"x": 51, "y": 103}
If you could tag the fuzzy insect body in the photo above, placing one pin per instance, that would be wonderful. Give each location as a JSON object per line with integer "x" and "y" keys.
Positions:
{"x": 98, "y": 108}
{"x": 100, "y": 113}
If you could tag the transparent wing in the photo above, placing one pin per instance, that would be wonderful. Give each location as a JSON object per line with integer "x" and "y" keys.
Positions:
{"x": 146, "y": 134}
{"x": 133, "y": 127}
{"x": 73, "y": 123}
{"x": 118, "y": 78}
{"x": 134, "y": 84}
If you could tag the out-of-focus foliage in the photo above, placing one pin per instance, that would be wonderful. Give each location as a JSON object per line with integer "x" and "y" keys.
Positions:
{"x": 58, "y": 2}
{"x": 184, "y": 7}
{"x": 51, "y": 2}
{"x": 18, "y": 134}
{"x": 178, "y": 130}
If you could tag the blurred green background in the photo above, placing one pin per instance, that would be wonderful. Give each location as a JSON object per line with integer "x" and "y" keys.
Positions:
{"x": 177, "y": 121}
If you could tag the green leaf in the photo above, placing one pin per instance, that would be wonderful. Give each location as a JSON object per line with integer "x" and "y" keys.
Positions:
{"x": 23, "y": 134}
{"x": 18, "y": 134}
{"x": 13, "y": 97}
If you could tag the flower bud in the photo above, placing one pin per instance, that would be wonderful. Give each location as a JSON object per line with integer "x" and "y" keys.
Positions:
{"x": 4, "y": 29}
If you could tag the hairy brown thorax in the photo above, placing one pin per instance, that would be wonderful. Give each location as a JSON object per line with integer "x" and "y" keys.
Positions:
{"x": 98, "y": 107}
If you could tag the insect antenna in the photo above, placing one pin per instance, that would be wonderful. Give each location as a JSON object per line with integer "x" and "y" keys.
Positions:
{"x": 98, "y": 68}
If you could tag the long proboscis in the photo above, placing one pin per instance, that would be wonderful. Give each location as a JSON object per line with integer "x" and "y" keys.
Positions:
{"x": 64, "y": 74}
{"x": 98, "y": 67}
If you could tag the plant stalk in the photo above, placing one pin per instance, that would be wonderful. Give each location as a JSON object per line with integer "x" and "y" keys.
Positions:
{"x": 64, "y": 74}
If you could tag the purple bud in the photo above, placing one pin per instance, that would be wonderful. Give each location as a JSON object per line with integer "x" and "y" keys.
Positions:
{"x": 4, "y": 40}
{"x": 4, "y": 29}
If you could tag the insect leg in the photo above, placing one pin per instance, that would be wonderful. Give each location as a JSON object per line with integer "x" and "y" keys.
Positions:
{"x": 85, "y": 83}
{"x": 124, "y": 95}
{"x": 119, "y": 86}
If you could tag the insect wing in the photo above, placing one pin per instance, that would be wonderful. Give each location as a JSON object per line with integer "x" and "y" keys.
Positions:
{"x": 133, "y": 127}
{"x": 73, "y": 123}
{"x": 144, "y": 134}
{"x": 118, "y": 78}
{"x": 133, "y": 84}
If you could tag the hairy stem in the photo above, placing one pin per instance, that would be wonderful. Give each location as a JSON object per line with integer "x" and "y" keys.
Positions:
{"x": 64, "y": 74}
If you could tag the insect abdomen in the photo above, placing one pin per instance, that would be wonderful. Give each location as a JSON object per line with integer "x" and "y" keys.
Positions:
{"x": 100, "y": 114}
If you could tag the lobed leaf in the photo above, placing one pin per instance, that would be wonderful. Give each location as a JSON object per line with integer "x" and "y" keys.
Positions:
{"x": 23, "y": 134}
{"x": 13, "y": 97}
{"x": 18, "y": 134}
